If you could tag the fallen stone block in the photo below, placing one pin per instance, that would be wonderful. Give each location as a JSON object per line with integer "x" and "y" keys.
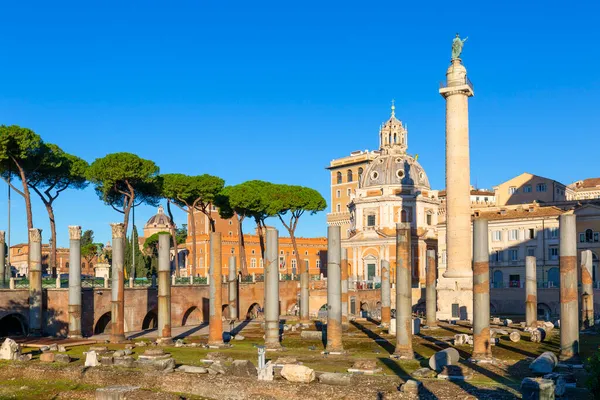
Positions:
{"x": 560, "y": 383}
{"x": 91, "y": 359}
{"x": 119, "y": 353}
{"x": 10, "y": 350}
{"x": 439, "y": 360}
{"x": 191, "y": 369}
{"x": 266, "y": 373}
{"x": 179, "y": 343}
{"x": 544, "y": 364}
{"x": 107, "y": 361}
{"x": 365, "y": 364}
{"x": 311, "y": 335}
{"x": 98, "y": 349}
{"x": 331, "y": 378}
{"x": 424, "y": 373}
{"x": 298, "y": 373}
{"x": 25, "y": 357}
{"x": 411, "y": 387}
{"x": 538, "y": 335}
{"x": 124, "y": 361}
{"x": 217, "y": 367}
{"x": 286, "y": 360}
{"x": 53, "y": 347}
{"x": 115, "y": 392}
{"x": 47, "y": 357}
{"x": 239, "y": 337}
{"x": 243, "y": 368}
{"x": 515, "y": 336}
{"x": 217, "y": 355}
{"x": 455, "y": 373}
{"x": 508, "y": 322}
{"x": 62, "y": 349}
{"x": 537, "y": 388}
{"x": 62, "y": 358}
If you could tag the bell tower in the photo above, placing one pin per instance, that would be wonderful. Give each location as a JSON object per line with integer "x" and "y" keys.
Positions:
{"x": 393, "y": 136}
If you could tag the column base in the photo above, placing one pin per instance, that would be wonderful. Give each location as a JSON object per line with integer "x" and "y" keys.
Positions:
{"x": 75, "y": 336}
{"x": 404, "y": 354}
{"x": 164, "y": 341}
{"x": 118, "y": 339}
{"x": 273, "y": 346}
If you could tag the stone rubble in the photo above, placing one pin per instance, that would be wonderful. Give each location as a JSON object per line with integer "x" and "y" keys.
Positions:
{"x": 10, "y": 350}
{"x": 266, "y": 373}
{"x": 191, "y": 369}
{"x": 91, "y": 359}
{"x": 411, "y": 387}
{"x": 544, "y": 364}
{"x": 515, "y": 336}
{"x": 62, "y": 358}
{"x": 298, "y": 373}
{"x": 47, "y": 357}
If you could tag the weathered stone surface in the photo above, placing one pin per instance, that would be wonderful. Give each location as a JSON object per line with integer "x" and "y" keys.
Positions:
{"x": 62, "y": 349}
{"x": 515, "y": 336}
{"x": 91, "y": 359}
{"x": 311, "y": 335}
{"x": 240, "y": 337}
{"x": 98, "y": 349}
{"x": 560, "y": 383}
{"x": 496, "y": 321}
{"x": 10, "y": 350}
{"x": 537, "y": 388}
{"x": 158, "y": 362}
{"x": 25, "y": 357}
{"x": 45, "y": 348}
{"x": 115, "y": 392}
{"x": 179, "y": 343}
{"x": 538, "y": 335}
{"x": 62, "y": 358}
{"x": 544, "y": 364}
{"x": 298, "y": 373}
{"x": 494, "y": 332}
{"x": 218, "y": 356}
{"x": 119, "y": 353}
{"x": 243, "y": 368}
{"x": 424, "y": 373}
{"x": 47, "y": 357}
{"x": 53, "y": 347}
{"x": 154, "y": 352}
{"x": 462, "y": 339}
{"x": 218, "y": 367}
{"x": 127, "y": 352}
{"x": 548, "y": 325}
{"x": 106, "y": 361}
{"x": 365, "y": 364}
{"x": 411, "y": 387}
{"x": 455, "y": 372}
{"x": 266, "y": 374}
{"x": 140, "y": 344}
{"x": 286, "y": 360}
{"x": 191, "y": 369}
{"x": 330, "y": 378}
{"x": 439, "y": 360}
{"x": 507, "y": 322}
{"x": 124, "y": 361}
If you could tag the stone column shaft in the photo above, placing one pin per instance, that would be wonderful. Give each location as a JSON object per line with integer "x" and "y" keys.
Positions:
{"x": 117, "y": 314}
{"x": 569, "y": 327}
{"x": 334, "y": 289}
{"x": 587, "y": 290}
{"x": 403, "y": 292}
{"x": 430, "y": 292}
{"x": 3, "y": 268}
{"x": 272, "y": 290}
{"x": 482, "y": 347}
{"x": 75, "y": 281}
{"x": 530, "y": 290}
{"x": 164, "y": 287}
{"x": 385, "y": 293}
{"x": 215, "y": 323}
{"x": 233, "y": 314}
{"x": 35, "y": 282}
{"x": 304, "y": 282}
{"x": 344, "y": 267}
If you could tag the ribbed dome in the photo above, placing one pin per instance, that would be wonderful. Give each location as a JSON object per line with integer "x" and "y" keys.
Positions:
{"x": 396, "y": 170}
{"x": 160, "y": 220}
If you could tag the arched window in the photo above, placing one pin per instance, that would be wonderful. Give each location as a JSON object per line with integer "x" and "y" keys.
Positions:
{"x": 67, "y": 264}
{"x": 338, "y": 208}
{"x": 360, "y": 172}
{"x": 91, "y": 266}
{"x": 390, "y": 138}
{"x": 82, "y": 265}
{"x": 339, "y": 177}
{"x": 349, "y": 173}
{"x": 253, "y": 263}
{"x": 589, "y": 235}
{"x": 394, "y": 138}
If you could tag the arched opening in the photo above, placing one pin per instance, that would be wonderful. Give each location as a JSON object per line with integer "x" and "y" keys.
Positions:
{"x": 103, "y": 324}
{"x": 349, "y": 175}
{"x": 364, "y": 309}
{"x": 322, "y": 314}
{"x": 226, "y": 311}
{"x": 253, "y": 311}
{"x": 553, "y": 278}
{"x": 13, "y": 325}
{"x": 498, "y": 278}
{"x": 543, "y": 312}
{"x": 150, "y": 320}
{"x": 394, "y": 138}
{"x": 339, "y": 177}
{"x": 192, "y": 316}
{"x": 419, "y": 308}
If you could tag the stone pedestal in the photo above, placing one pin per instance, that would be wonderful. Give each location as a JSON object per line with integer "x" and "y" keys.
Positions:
{"x": 530, "y": 291}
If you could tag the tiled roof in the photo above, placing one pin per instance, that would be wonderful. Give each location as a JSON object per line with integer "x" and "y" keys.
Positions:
{"x": 517, "y": 213}
{"x": 586, "y": 183}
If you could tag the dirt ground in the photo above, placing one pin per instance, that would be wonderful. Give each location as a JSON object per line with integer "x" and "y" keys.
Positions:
{"x": 364, "y": 340}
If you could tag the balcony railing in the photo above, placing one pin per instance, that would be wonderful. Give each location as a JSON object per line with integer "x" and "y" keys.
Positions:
{"x": 467, "y": 81}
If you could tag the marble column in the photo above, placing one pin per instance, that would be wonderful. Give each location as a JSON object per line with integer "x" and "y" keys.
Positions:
{"x": 272, "y": 290}
{"x": 344, "y": 267}
{"x": 304, "y": 303}
{"x": 403, "y": 292}
{"x": 74, "y": 281}
{"x": 215, "y": 323}
{"x": 587, "y": 290}
{"x": 385, "y": 293}
{"x": 430, "y": 292}
{"x": 482, "y": 346}
{"x": 3, "y": 267}
{"x": 232, "y": 289}
{"x": 458, "y": 274}
{"x": 334, "y": 290}
{"x": 164, "y": 287}
{"x": 569, "y": 317}
{"x": 35, "y": 282}
{"x": 530, "y": 290}
{"x": 117, "y": 314}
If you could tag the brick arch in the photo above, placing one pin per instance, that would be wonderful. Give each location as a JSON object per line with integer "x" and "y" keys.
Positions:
{"x": 192, "y": 315}
{"x": 102, "y": 324}
{"x": 13, "y": 324}
{"x": 370, "y": 251}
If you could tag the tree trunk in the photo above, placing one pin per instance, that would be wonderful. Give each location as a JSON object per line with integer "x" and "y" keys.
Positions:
{"x": 50, "y": 211}
{"x": 243, "y": 264}
{"x": 261, "y": 239}
{"x": 174, "y": 236}
{"x": 299, "y": 266}
{"x": 194, "y": 268}
{"x": 26, "y": 195}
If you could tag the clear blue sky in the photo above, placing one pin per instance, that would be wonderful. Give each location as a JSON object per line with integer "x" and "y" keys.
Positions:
{"x": 275, "y": 90}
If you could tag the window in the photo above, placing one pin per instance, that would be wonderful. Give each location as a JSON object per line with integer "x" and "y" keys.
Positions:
{"x": 541, "y": 187}
{"x": 428, "y": 219}
{"x": 349, "y": 174}
{"x": 531, "y": 251}
{"x": 581, "y": 237}
{"x": 306, "y": 253}
{"x": 554, "y": 233}
{"x": 67, "y": 265}
{"x": 307, "y": 263}
{"x": 293, "y": 263}
{"x": 513, "y": 254}
{"x": 293, "y": 252}
{"x": 595, "y": 236}
{"x": 233, "y": 250}
{"x": 498, "y": 256}
{"x": 589, "y": 235}
{"x": 485, "y": 199}
{"x": 261, "y": 263}
{"x": 253, "y": 251}
{"x": 497, "y": 236}
{"x": 348, "y": 191}
{"x": 281, "y": 262}
{"x": 253, "y": 263}
{"x": 230, "y": 233}
{"x": 514, "y": 281}
{"x": 531, "y": 233}
{"x": 553, "y": 253}
{"x": 83, "y": 265}
{"x": 280, "y": 251}
{"x": 91, "y": 266}
{"x": 339, "y": 177}
{"x": 527, "y": 189}
{"x": 338, "y": 208}
{"x": 318, "y": 264}
{"x": 403, "y": 216}
{"x": 371, "y": 220}
{"x": 338, "y": 194}
{"x": 512, "y": 190}
{"x": 230, "y": 222}
{"x": 513, "y": 234}
{"x": 360, "y": 172}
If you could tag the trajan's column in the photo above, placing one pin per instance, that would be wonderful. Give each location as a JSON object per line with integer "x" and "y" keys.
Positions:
{"x": 455, "y": 286}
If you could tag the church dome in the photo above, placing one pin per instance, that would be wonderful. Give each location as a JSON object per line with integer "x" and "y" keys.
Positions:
{"x": 160, "y": 220}
{"x": 396, "y": 170}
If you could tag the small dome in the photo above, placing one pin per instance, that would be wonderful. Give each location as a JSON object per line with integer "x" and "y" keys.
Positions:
{"x": 160, "y": 220}
{"x": 396, "y": 170}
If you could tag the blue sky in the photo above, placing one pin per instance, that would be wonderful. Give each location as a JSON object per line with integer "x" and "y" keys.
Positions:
{"x": 275, "y": 90}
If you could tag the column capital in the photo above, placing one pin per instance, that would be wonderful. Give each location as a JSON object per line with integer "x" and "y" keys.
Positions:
{"x": 74, "y": 232}
{"x": 118, "y": 230}
{"x": 35, "y": 235}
